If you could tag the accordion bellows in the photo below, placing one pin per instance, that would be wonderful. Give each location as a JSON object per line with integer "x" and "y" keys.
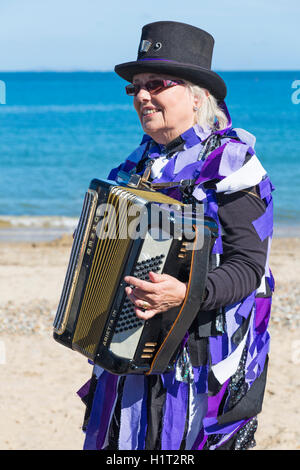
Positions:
{"x": 94, "y": 316}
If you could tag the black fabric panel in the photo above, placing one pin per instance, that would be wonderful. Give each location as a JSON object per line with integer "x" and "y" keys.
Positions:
{"x": 241, "y": 331}
{"x": 175, "y": 145}
{"x": 197, "y": 348}
{"x": 88, "y": 401}
{"x": 155, "y": 401}
{"x": 214, "y": 385}
{"x": 114, "y": 430}
{"x": 251, "y": 404}
{"x": 228, "y": 445}
{"x": 141, "y": 163}
{"x": 207, "y": 323}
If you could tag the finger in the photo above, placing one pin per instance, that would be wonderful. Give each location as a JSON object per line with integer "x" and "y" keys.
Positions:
{"x": 132, "y": 299}
{"x": 145, "y": 314}
{"x": 137, "y": 294}
{"x": 144, "y": 285}
{"x": 131, "y": 295}
{"x": 155, "y": 277}
{"x": 129, "y": 291}
{"x": 138, "y": 302}
{"x": 147, "y": 297}
{"x": 141, "y": 304}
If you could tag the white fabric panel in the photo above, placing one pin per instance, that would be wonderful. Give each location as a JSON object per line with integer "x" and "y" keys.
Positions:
{"x": 226, "y": 368}
{"x": 249, "y": 175}
{"x": 267, "y": 269}
{"x": 197, "y": 411}
{"x": 245, "y": 136}
{"x": 157, "y": 167}
{"x": 199, "y": 194}
{"x": 262, "y": 288}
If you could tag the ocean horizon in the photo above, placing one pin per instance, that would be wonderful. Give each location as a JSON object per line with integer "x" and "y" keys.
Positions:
{"x": 59, "y": 130}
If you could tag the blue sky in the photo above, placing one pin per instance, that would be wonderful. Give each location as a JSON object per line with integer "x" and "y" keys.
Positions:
{"x": 97, "y": 34}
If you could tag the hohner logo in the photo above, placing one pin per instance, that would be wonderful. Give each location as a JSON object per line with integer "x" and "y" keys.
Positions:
{"x": 92, "y": 236}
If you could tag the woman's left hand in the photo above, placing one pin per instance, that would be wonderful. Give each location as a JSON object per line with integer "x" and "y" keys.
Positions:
{"x": 159, "y": 295}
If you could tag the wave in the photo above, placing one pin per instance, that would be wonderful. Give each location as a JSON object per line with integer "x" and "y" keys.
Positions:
{"x": 67, "y": 224}
{"x": 80, "y": 108}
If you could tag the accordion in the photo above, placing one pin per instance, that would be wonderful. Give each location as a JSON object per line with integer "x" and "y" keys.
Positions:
{"x": 94, "y": 315}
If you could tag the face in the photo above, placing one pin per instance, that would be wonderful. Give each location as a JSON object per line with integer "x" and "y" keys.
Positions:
{"x": 166, "y": 114}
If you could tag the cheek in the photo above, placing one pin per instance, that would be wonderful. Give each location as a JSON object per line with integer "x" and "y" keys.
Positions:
{"x": 180, "y": 104}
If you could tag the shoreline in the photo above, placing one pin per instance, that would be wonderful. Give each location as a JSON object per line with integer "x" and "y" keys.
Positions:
{"x": 48, "y": 228}
{"x": 35, "y": 228}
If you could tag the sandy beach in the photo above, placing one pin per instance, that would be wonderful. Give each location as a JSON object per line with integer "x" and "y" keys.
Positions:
{"x": 39, "y": 378}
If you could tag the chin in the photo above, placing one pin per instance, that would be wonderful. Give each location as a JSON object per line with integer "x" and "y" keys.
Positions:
{"x": 150, "y": 128}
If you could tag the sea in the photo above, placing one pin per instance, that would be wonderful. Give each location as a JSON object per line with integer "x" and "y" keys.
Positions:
{"x": 59, "y": 130}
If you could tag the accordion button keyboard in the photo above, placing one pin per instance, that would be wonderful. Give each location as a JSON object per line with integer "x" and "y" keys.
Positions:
{"x": 143, "y": 267}
{"x": 127, "y": 319}
{"x": 128, "y": 327}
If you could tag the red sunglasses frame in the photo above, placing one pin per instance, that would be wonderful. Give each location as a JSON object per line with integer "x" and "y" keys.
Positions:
{"x": 152, "y": 86}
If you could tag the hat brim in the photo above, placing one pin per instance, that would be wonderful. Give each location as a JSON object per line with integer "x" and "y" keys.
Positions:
{"x": 197, "y": 75}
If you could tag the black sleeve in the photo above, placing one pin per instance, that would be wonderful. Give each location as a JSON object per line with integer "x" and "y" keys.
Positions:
{"x": 244, "y": 254}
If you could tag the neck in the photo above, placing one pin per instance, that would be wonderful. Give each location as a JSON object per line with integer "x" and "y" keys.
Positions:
{"x": 168, "y": 135}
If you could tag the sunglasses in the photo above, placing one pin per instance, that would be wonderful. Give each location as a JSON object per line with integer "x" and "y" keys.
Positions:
{"x": 152, "y": 86}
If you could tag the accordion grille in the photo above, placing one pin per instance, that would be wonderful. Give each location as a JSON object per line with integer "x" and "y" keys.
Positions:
{"x": 103, "y": 281}
{"x": 154, "y": 196}
{"x": 75, "y": 262}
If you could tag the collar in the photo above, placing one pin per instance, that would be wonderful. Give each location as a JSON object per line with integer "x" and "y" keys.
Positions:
{"x": 184, "y": 141}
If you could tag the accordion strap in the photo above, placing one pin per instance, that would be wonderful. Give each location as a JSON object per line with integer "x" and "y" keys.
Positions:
{"x": 172, "y": 184}
{"x": 190, "y": 306}
{"x": 186, "y": 186}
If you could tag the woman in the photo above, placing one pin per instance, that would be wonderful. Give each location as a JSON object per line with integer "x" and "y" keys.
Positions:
{"x": 211, "y": 399}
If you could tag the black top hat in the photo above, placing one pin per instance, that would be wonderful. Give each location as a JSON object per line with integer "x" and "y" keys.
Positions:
{"x": 177, "y": 49}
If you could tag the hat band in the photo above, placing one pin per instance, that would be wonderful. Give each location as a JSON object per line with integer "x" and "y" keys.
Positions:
{"x": 165, "y": 60}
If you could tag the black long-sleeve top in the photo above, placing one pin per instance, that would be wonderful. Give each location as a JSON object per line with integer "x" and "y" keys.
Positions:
{"x": 244, "y": 254}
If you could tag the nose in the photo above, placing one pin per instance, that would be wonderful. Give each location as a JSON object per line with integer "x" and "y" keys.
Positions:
{"x": 143, "y": 95}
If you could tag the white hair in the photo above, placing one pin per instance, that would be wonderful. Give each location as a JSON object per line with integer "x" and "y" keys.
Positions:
{"x": 209, "y": 113}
